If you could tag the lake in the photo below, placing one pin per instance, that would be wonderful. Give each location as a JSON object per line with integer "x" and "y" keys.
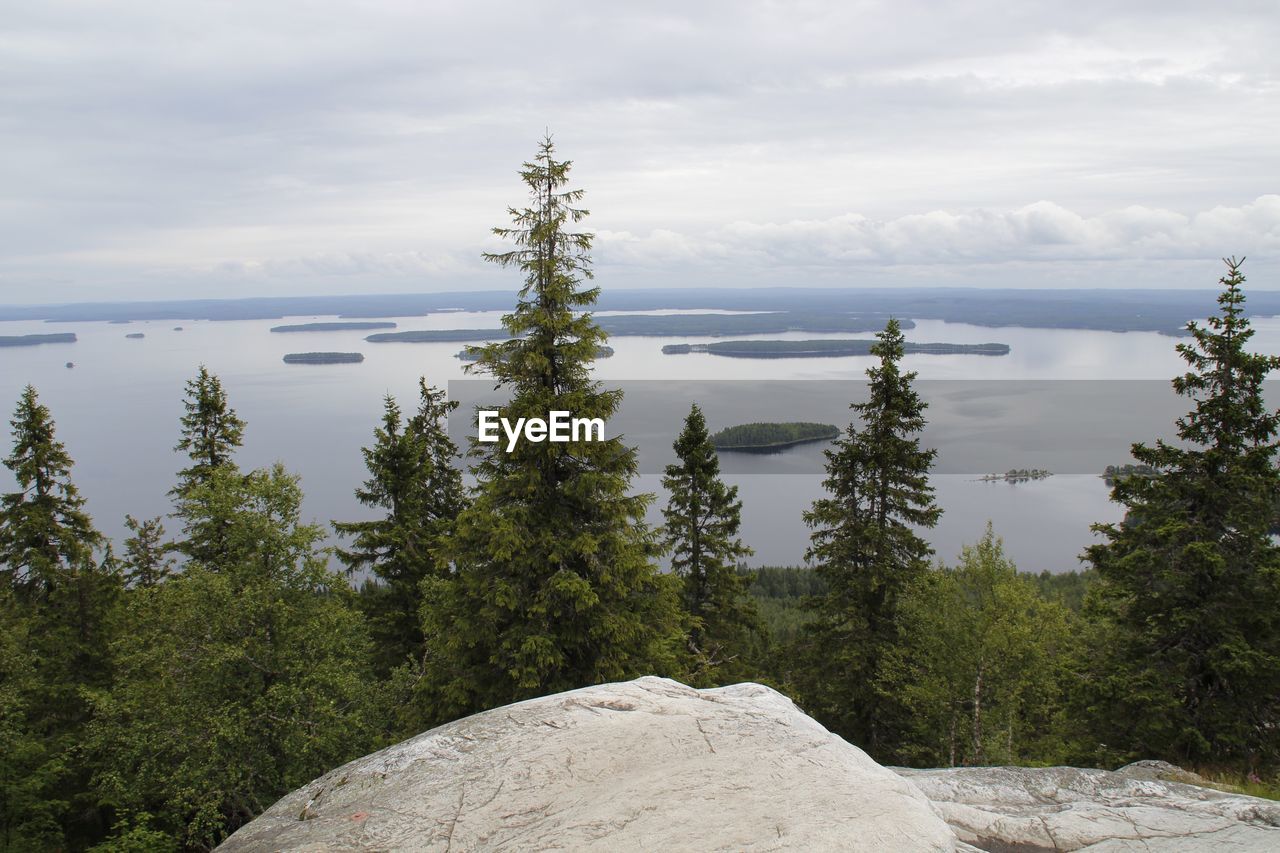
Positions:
{"x": 117, "y": 411}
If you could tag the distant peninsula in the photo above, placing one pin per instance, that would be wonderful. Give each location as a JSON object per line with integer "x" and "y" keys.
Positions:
{"x": 344, "y": 326}
{"x": 1017, "y": 475}
{"x": 324, "y": 358}
{"x": 435, "y": 336}
{"x": 826, "y": 348}
{"x": 771, "y": 437}
{"x": 36, "y": 340}
{"x": 470, "y": 355}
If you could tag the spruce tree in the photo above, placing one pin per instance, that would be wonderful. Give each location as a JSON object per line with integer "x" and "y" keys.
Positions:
{"x": 554, "y": 584}
{"x": 44, "y": 531}
{"x": 1189, "y": 582}
{"x": 702, "y": 520}
{"x": 211, "y": 430}
{"x": 412, "y": 479}
{"x": 64, "y": 600}
{"x": 146, "y": 554}
{"x": 866, "y": 550}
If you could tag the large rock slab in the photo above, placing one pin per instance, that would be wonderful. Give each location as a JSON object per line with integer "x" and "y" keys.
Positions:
{"x": 1146, "y": 806}
{"x": 644, "y": 765}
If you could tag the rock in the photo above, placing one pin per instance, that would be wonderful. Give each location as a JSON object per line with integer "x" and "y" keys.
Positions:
{"x": 644, "y": 765}
{"x": 1146, "y": 806}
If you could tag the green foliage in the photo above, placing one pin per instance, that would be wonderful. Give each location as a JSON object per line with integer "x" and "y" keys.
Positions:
{"x": 146, "y": 561}
{"x": 412, "y": 479}
{"x": 1187, "y": 661}
{"x": 771, "y": 434}
{"x": 1066, "y": 588}
{"x": 211, "y": 431}
{"x": 44, "y": 530}
{"x": 868, "y": 554}
{"x": 703, "y": 516}
{"x": 979, "y": 665}
{"x": 555, "y": 585}
{"x": 238, "y": 681}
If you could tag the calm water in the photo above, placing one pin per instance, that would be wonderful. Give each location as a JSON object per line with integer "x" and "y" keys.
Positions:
{"x": 118, "y": 409}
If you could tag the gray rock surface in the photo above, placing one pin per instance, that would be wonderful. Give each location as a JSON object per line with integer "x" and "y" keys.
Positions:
{"x": 645, "y": 765}
{"x": 1146, "y": 806}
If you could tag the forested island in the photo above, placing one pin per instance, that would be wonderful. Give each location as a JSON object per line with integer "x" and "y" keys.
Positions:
{"x": 344, "y": 326}
{"x": 666, "y": 325}
{"x": 828, "y": 348}
{"x": 36, "y": 340}
{"x": 1017, "y": 475}
{"x": 1117, "y": 472}
{"x": 771, "y": 437}
{"x": 474, "y": 355}
{"x": 324, "y": 358}
{"x": 135, "y": 336}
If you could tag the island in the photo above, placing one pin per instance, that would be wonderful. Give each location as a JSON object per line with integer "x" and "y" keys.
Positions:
{"x": 333, "y": 327}
{"x": 1017, "y": 475}
{"x": 36, "y": 340}
{"x": 177, "y": 328}
{"x": 826, "y": 348}
{"x": 1119, "y": 472}
{"x": 135, "y": 336}
{"x": 324, "y": 358}
{"x": 435, "y": 336}
{"x": 771, "y": 437}
{"x": 474, "y": 355}
{"x": 70, "y": 364}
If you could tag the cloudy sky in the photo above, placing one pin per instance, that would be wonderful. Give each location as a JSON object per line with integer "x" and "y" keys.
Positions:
{"x": 201, "y": 149}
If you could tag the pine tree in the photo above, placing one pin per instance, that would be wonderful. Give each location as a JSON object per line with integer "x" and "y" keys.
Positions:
{"x": 146, "y": 557}
{"x": 211, "y": 430}
{"x": 412, "y": 478}
{"x": 702, "y": 520}
{"x": 44, "y": 531}
{"x": 554, "y": 584}
{"x": 867, "y": 551}
{"x": 1189, "y": 582}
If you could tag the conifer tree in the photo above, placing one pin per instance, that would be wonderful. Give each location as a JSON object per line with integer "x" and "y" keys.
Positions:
{"x": 702, "y": 520}
{"x": 44, "y": 531}
{"x": 1189, "y": 582}
{"x": 63, "y": 599}
{"x": 554, "y": 586}
{"x": 867, "y": 551}
{"x": 211, "y": 430}
{"x": 146, "y": 554}
{"x": 412, "y": 478}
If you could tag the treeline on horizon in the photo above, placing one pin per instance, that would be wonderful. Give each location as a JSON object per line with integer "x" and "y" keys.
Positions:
{"x": 159, "y": 696}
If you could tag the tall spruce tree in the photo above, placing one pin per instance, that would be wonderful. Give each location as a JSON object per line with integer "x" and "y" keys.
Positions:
{"x": 44, "y": 531}
{"x": 1189, "y": 582}
{"x": 211, "y": 433}
{"x": 414, "y": 481}
{"x": 555, "y": 585}
{"x": 867, "y": 552}
{"x": 702, "y": 520}
{"x": 146, "y": 554}
{"x": 211, "y": 430}
{"x": 63, "y": 599}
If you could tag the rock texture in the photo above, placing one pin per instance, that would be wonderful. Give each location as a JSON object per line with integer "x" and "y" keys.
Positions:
{"x": 1146, "y": 806}
{"x": 644, "y": 765}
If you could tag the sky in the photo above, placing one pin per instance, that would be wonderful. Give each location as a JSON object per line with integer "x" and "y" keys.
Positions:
{"x": 214, "y": 149}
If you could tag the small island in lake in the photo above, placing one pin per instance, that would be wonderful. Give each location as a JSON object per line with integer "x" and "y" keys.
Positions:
{"x": 177, "y": 328}
{"x": 135, "y": 335}
{"x": 1017, "y": 475}
{"x": 333, "y": 327}
{"x": 36, "y": 340}
{"x": 1118, "y": 472}
{"x": 324, "y": 358}
{"x": 826, "y": 348}
{"x": 771, "y": 437}
{"x": 474, "y": 355}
